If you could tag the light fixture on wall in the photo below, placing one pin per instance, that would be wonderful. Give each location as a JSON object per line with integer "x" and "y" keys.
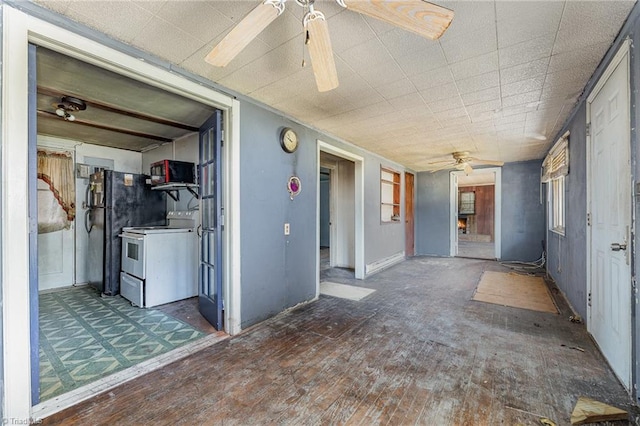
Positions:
{"x": 67, "y": 105}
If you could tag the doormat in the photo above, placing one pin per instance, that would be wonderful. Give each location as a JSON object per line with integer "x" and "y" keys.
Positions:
{"x": 344, "y": 291}
{"x": 516, "y": 290}
{"x": 85, "y": 337}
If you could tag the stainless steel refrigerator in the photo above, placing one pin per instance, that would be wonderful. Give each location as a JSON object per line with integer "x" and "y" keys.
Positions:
{"x": 116, "y": 200}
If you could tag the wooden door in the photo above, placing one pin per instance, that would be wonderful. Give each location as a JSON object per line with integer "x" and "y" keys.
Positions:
{"x": 610, "y": 207}
{"x": 409, "y": 249}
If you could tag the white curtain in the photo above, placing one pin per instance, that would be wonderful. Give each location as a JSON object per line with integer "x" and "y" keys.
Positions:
{"x": 56, "y": 191}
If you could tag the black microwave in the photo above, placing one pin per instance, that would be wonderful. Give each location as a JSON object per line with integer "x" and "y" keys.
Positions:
{"x": 172, "y": 171}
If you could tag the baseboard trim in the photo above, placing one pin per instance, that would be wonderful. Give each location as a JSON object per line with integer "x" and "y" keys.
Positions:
{"x": 384, "y": 263}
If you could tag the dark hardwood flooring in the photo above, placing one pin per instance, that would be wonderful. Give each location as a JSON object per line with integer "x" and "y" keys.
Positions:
{"x": 417, "y": 351}
{"x": 187, "y": 311}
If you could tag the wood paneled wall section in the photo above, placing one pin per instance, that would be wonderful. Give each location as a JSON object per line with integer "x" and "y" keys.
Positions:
{"x": 485, "y": 208}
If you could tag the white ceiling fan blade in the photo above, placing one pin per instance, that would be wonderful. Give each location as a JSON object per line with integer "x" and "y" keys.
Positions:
{"x": 487, "y": 162}
{"x": 450, "y": 165}
{"x": 321, "y": 52}
{"x": 243, "y": 33}
{"x": 423, "y": 18}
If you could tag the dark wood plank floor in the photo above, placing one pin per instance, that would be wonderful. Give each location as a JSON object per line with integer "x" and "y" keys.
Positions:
{"x": 417, "y": 351}
{"x": 187, "y": 311}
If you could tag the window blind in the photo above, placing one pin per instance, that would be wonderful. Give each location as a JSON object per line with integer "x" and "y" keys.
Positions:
{"x": 556, "y": 163}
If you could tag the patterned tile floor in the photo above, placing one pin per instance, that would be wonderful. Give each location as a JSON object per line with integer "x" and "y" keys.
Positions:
{"x": 84, "y": 337}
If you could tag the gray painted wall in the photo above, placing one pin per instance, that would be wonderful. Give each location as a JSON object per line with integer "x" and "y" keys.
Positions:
{"x": 522, "y": 213}
{"x": 381, "y": 239}
{"x": 277, "y": 271}
{"x": 567, "y": 255}
{"x": 523, "y": 217}
{"x": 432, "y": 213}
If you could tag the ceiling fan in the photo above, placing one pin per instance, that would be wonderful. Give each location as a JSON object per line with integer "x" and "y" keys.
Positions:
{"x": 423, "y": 18}
{"x": 462, "y": 161}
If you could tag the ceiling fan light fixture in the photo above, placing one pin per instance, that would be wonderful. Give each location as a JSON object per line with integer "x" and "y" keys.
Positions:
{"x": 67, "y": 105}
{"x": 462, "y": 161}
{"x": 243, "y": 33}
{"x": 320, "y": 50}
{"x": 421, "y": 17}
{"x": 461, "y": 166}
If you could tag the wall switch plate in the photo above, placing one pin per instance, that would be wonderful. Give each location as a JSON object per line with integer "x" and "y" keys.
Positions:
{"x": 82, "y": 171}
{"x": 287, "y": 229}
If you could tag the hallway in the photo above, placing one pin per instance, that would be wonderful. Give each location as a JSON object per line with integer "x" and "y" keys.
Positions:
{"x": 417, "y": 351}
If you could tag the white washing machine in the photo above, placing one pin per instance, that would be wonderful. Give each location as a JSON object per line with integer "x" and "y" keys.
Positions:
{"x": 160, "y": 263}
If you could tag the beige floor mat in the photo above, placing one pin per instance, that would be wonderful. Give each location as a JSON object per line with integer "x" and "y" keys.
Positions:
{"x": 516, "y": 290}
{"x": 344, "y": 291}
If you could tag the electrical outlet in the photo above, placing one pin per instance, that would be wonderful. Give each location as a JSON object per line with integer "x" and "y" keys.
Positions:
{"x": 287, "y": 229}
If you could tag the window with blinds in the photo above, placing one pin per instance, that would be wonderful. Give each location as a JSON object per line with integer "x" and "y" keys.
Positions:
{"x": 554, "y": 169}
{"x": 556, "y": 163}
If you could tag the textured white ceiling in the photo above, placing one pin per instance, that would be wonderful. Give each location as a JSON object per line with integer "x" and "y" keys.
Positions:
{"x": 499, "y": 83}
{"x": 478, "y": 177}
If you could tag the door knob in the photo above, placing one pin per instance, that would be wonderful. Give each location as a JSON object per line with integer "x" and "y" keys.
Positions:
{"x": 618, "y": 246}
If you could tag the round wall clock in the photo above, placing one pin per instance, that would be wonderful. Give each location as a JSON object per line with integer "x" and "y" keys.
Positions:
{"x": 288, "y": 140}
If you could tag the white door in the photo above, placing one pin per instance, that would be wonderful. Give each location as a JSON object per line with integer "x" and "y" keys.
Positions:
{"x": 343, "y": 200}
{"x": 454, "y": 213}
{"x": 55, "y": 249}
{"x": 610, "y": 198}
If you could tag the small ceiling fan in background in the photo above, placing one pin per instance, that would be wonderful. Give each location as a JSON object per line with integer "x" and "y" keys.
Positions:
{"x": 423, "y": 18}
{"x": 462, "y": 161}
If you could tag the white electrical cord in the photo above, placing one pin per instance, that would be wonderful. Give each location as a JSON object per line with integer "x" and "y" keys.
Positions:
{"x": 535, "y": 267}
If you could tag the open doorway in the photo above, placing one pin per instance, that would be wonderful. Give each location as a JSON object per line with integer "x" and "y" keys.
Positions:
{"x": 337, "y": 217}
{"x": 87, "y": 327}
{"x": 20, "y": 302}
{"x": 345, "y": 251}
{"x": 475, "y": 221}
{"x": 325, "y": 218}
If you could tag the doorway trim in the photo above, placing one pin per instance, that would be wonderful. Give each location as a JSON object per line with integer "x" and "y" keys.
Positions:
{"x": 453, "y": 200}
{"x": 19, "y": 29}
{"x": 332, "y": 191}
{"x": 622, "y": 53}
{"x": 409, "y": 199}
{"x": 359, "y": 208}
